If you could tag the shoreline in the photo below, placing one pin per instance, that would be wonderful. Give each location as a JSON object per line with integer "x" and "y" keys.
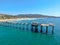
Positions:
{"x": 3, "y": 20}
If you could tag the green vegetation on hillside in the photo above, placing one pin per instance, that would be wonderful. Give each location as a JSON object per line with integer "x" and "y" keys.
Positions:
{"x": 6, "y": 16}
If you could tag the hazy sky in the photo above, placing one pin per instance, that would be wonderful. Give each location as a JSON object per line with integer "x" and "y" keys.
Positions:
{"x": 46, "y": 7}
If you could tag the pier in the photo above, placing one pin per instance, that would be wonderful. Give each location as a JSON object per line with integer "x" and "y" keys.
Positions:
{"x": 42, "y": 25}
{"x": 34, "y": 25}
{"x": 25, "y": 26}
{"x": 47, "y": 25}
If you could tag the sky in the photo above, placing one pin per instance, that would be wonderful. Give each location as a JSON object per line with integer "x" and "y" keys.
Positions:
{"x": 45, "y": 7}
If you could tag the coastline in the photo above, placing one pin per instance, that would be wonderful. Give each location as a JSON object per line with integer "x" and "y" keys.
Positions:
{"x": 3, "y": 20}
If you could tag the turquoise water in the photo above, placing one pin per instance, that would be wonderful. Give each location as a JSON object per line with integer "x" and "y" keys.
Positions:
{"x": 13, "y": 36}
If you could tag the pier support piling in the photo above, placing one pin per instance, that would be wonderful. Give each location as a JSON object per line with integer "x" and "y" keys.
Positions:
{"x": 36, "y": 28}
{"x": 46, "y": 29}
{"x": 41, "y": 29}
{"x": 52, "y": 29}
{"x": 32, "y": 28}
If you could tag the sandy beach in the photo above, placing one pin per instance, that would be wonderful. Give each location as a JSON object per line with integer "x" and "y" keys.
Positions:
{"x": 3, "y": 20}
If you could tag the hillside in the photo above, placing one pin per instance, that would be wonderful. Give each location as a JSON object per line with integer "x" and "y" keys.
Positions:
{"x": 6, "y": 16}
{"x": 33, "y": 16}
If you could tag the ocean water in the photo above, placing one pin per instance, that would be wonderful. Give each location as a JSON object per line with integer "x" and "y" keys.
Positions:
{"x": 13, "y": 36}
